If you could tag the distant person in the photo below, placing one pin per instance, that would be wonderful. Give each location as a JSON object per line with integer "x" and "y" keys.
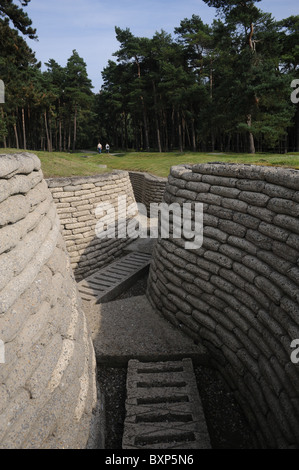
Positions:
{"x": 100, "y": 147}
{"x": 107, "y": 148}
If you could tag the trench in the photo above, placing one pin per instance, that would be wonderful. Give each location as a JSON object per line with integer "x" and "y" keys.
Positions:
{"x": 228, "y": 427}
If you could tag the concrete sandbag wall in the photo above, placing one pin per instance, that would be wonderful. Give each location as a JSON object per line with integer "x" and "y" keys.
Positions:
{"x": 147, "y": 189}
{"x": 239, "y": 293}
{"x": 48, "y": 393}
{"x": 76, "y": 200}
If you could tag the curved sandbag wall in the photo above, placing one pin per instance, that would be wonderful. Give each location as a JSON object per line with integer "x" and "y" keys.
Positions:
{"x": 148, "y": 189}
{"x": 239, "y": 293}
{"x": 48, "y": 393}
{"x": 77, "y": 200}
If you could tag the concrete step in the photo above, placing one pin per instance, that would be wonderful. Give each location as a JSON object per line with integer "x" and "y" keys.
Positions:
{"x": 109, "y": 282}
{"x": 163, "y": 407}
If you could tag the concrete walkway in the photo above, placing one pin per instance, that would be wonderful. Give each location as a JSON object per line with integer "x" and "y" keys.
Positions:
{"x": 130, "y": 329}
{"x": 130, "y": 333}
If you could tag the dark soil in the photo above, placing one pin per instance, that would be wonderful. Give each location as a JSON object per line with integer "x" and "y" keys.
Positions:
{"x": 227, "y": 426}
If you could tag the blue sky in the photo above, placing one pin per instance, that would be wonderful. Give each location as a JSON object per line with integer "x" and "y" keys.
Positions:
{"x": 88, "y": 25}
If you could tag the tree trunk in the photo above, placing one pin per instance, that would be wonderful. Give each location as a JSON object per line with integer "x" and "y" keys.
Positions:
{"x": 16, "y": 134}
{"x": 50, "y": 133}
{"x": 143, "y": 107}
{"x": 47, "y": 132}
{"x": 126, "y": 131}
{"x": 183, "y": 132}
{"x": 228, "y": 143}
{"x": 180, "y": 132}
{"x": 60, "y": 135}
{"x": 69, "y": 136}
{"x": 286, "y": 143}
{"x": 238, "y": 143}
{"x": 24, "y": 129}
{"x": 213, "y": 140}
{"x": 173, "y": 139}
{"x": 251, "y": 138}
{"x": 145, "y": 124}
{"x": 122, "y": 134}
{"x": 187, "y": 133}
{"x": 211, "y": 97}
{"x": 166, "y": 138}
{"x": 141, "y": 137}
{"x": 211, "y": 79}
{"x": 193, "y": 135}
{"x": 64, "y": 136}
{"x": 250, "y": 41}
{"x": 156, "y": 119}
{"x": 75, "y": 130}
{"x": 4, "y": 137}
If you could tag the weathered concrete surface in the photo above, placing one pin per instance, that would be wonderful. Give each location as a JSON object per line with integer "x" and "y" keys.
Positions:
{"x": 131, "y": 329}
{"x": 48, "y": 393}
{"x": 163, "y": 407}
{"x": 141, "y": 245}
{"x": 84, "y": 205}
{"x": 239, "y": 292}
{"x": 148, "y": 189}
{"x": 108, "y": 283}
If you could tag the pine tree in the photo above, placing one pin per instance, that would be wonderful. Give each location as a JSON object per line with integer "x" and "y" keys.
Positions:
{"x": 78, "y": 92}
{"x": 17, "y": 65}
{"x": 260, "y": 89}
{"x": 289, "y": 39}
{"x": 19, "y": 18}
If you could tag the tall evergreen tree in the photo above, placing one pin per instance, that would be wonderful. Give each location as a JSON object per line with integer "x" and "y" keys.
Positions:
{"x": 17, "y": 64}
{"x": 132, "y": 48}
{"x": 261, "y": 86}
{"x": 78, "y": 92}
{"x": 289, "y": 39}
{"x": 222, "y": 86}
{"x": 19, "y": 18}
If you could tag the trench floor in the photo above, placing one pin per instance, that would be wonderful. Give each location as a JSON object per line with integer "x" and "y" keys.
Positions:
{"x": 226, "y": 423}
{"x": 128, "y": 328}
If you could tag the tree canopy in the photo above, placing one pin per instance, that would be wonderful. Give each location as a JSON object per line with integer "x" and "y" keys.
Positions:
{"x": 20, "y": 19}
{"x": 223, "y": 86}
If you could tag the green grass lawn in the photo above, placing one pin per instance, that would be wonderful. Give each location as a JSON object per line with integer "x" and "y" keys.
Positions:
{"x": 57, "y": 164}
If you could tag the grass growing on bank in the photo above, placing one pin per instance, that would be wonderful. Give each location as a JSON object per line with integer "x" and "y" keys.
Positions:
{"x": 58, "y": 164}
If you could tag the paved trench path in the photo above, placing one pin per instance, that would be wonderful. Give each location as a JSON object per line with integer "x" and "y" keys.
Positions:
{"x": 163, "y": 408}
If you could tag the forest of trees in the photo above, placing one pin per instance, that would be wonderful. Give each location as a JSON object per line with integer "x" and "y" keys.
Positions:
{"x": 224, "y": 86}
